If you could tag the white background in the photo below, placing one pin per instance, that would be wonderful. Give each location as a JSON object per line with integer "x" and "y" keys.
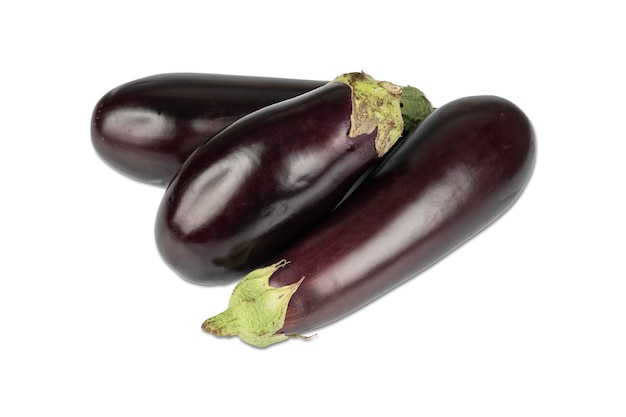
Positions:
{"x": 526, "y": 319}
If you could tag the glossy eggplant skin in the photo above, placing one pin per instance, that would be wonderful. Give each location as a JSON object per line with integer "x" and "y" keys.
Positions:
{"x": 259, "y": 184}
{"x": 147, "y": 128}
{"x": 459, "y": 171}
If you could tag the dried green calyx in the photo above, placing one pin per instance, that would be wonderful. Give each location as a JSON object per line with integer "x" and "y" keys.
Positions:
{"x": 388, "y": 107}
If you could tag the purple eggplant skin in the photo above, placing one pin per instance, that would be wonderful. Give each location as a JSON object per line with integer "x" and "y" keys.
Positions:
{"x": 462, "y": 168}
{"x": 148, "y": 127}
{"x": 213, "y": 222}
{"x": 263, "y": 181}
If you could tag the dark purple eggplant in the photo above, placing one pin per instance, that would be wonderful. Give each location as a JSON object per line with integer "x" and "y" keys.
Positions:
{"x": 265, "y": 179}
{"x": 461, "y": 169}
{"x": 147, "y": 128}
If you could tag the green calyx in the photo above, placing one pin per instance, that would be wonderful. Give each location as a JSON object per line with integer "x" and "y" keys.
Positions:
{"x": 415, "y": 107}
{"x": 380, "y": 104}
{"x": 256, "y": 311}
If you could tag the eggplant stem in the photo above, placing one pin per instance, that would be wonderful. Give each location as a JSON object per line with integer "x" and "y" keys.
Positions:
{"x": 387, "y": 108}
{"x": 256, "y": 311}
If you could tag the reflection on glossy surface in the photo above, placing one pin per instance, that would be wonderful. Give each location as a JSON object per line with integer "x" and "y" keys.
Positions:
{"x": 139, "y": 126}
{"x": 198, "y": 208}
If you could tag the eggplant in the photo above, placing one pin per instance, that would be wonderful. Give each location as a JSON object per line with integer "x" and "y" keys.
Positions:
{"x": 463, "y": 167}
{"x": 148, "y": 127}
{"x": 243, "y": 196}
